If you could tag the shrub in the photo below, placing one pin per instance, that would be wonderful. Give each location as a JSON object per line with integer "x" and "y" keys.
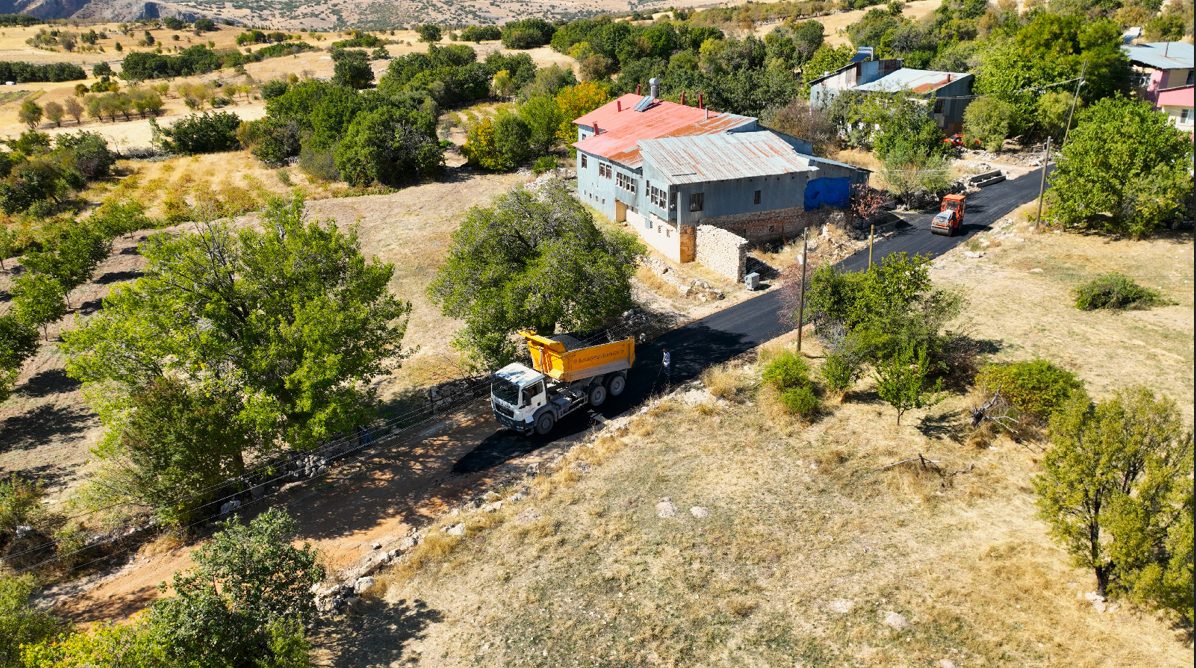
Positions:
{"x": 203, "y": 133}
{"x": 1116, "y": 291}
{"x": 86, "y": 152}
{"x": 1037, "y": 388}
{"x": 543, "y": 164}
{"x": 20, "y": 505}
{"x": 801, "y": 401}
{"x": 273, "y": 88}
{"x": 479, "y": 34}
{"x": 786, "y": 372}
{"x": 527, "y": 34}
{"x": 429, "y": 33}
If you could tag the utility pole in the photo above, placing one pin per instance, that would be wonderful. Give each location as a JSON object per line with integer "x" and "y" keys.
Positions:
{"x": 1075, "y": 97}
{"x": 871, "y": 236}
{"x": 1042, "y": 181}
{"x": 805, "y": 274}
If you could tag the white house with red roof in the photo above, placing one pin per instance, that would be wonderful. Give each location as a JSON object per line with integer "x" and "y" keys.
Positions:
{"x": 667, "y": 168}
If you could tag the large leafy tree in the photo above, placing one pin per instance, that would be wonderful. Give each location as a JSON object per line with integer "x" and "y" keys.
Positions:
{"x": 1049, "y": 50}
{"x": 291, "y": 318}
{"x": 532, "y": 260}
{"x": 1125, "y": 169}
{"x": 20, "y": 621}
{"x": 1116, "y": 490}
{"x": 390, "y": 146}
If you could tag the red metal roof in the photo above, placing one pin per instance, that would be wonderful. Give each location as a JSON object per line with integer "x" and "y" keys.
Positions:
{"x": 620, "y": 130}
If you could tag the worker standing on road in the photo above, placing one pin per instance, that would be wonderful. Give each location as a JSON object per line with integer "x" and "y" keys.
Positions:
{"x": 667, "y": 366}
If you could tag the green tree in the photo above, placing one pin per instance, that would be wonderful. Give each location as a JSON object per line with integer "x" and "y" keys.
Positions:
{"x": 9, "y": 243}
{"x": 825, "y": 60}
{"x": 1049, "y": 50}
{"x": 1124, "y": 170}
{"x": 543, "y": 117}
{"x": 73, "y": 259}
{"x": 988, "y": 120}
{"x": 18, "y": 342}
{"x": 38, "y": 300}
{"x": 389, "y": 146}
{"x": 202, "y": 133}
{"x": 902, "y": 380}
{"x": 30, "y": 114}
{"x": 531, "y": 261}
{"x": 429, "y": 33}
{"x": 1053, "y": 110}
{"x": 170, "y": 441}
{"x": 291, "y": 317}
{"x": 21, "y": 622}
{"x": 1116, "y": 491}
{"x": 352, "y": 69}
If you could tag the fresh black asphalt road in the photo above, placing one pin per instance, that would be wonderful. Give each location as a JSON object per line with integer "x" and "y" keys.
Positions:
{"x": 739, "y": 328}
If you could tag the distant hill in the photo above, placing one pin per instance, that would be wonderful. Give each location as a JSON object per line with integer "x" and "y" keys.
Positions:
{"x": 322, "y": 14}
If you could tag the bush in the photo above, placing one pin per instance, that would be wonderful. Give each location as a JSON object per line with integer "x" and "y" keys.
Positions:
{"x": 801, "y": 401}
{"x": 203, "y": 133}
{"x": 1116, "y": 291}
{"x": 352, "y": 69}
{"x": 988, "y": 120}
{"x": 786, "y": 372}
{"x": 527, "y": 34}
{"x": 273, "y": 88}
{"x": 1037, "y": 388}
{"x": 478, "y": 34}
{"x": 30, "y": 73}
{"x": 20, "y": 505}
{"x": 272, "y": 141}
{"x": 86, "y": 152}
{"x": 429, "y": 33}
{"x": 543, "y": 164}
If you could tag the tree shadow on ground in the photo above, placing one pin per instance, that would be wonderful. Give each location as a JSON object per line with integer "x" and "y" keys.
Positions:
{"x": 952, "y": 426}
{"x": 45, "y": 383}
{"x": 378, "y": 635}
{"x": 118, "y": 277}
{"x": 42, "y": 426}
{"x": 89, "y": 307}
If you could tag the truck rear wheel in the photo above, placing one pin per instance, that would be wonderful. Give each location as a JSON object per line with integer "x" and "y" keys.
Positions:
{"x": 597, "y": 394}
{"x": 615, "y": 384}
{"x": 545, "y": 423}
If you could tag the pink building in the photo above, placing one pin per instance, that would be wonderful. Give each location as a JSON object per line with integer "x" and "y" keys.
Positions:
{"x": 1165, "y": 76}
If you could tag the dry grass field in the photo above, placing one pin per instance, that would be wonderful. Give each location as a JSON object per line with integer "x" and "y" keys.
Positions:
{"x": 806, "y": 547}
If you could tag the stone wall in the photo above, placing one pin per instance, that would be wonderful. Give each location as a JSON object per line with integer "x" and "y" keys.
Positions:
{"x": 777, "y": 225}
{"x": 722, "y": 252}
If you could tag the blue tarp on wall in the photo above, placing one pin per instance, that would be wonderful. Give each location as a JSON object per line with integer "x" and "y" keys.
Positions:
{"x": 828, "y": 192}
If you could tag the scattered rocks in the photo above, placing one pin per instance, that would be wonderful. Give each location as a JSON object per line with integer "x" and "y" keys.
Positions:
{"x": 947, "y": 663}
{"x": 1036, "y": 271}
{"x": 665, "y": 509}
{"x": 896, "y": 621}
{"x": 842, "y": 606}
{"x": 492, "y": 507}
{"x": 225, "y": 508}
{"x": 362, "y": 584}
{"x": 457, "y": 529}
{"x": 406, "y": 543}
{"x": 582, "y": 467}
{"x": 973, "y": 254}
{"x": 699, "y": 512}
{"x": 376, "y": 546}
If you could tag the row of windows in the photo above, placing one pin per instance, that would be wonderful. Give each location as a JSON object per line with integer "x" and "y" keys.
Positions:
{"x": 625, "y": 182}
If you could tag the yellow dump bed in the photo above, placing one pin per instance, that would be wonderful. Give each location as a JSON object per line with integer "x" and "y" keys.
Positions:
{"x": 565, "y": 359}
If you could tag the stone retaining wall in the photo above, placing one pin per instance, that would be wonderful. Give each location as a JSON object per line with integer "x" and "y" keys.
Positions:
{"x": 721, "y": 251}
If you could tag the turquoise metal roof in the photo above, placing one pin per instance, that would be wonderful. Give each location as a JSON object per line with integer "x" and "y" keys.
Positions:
{"x": 1161, "y": 55}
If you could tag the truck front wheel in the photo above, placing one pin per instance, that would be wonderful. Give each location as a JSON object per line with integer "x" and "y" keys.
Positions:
{"x": 597, "y": 395}
{"x": 545, "y": 423}
{"x": 615, "y": 384}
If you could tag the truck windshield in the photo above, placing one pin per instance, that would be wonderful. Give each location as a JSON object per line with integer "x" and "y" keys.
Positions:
{"x": 505, "y": 390}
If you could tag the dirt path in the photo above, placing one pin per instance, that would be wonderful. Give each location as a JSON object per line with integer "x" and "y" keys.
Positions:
{"x": 375, "y": 498}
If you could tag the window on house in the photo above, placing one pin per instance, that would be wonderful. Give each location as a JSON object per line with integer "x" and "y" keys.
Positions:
{"x": 696, "y": 200}
{"x": 673, "y": 200}
{"x": 756, "y": 198}
{"x": 1185, "y": 116}
{"x": 659, "y": 198}
{"x": 938, "y": 106}
{"x": 625, "y": 182}
{"x": 583, "y": 162}
{"x": 1190, "y": 77}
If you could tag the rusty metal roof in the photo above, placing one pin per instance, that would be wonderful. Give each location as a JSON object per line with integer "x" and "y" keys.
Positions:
{"x": 619, "y": 131}
{"x": 724, "y": 157}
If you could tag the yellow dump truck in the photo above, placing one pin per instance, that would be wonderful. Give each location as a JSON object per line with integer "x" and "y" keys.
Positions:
{"x": 568, "y": 375}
